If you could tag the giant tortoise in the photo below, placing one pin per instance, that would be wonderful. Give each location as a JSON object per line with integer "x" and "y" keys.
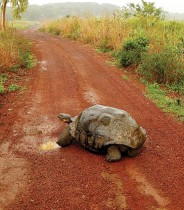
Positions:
{"x": 104, "y": 129}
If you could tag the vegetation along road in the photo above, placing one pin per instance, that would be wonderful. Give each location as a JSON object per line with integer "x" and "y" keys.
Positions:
{"x": 68, "y": 78}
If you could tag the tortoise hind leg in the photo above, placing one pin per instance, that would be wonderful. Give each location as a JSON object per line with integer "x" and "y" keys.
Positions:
{"x": 65, "y": 138}
{"x": 113, "y": 153}
{"x": 133, "y": 152}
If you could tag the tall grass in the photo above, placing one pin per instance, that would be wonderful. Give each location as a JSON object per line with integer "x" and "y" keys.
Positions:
{"x": 13, "y": 50}
{"x": 154, "y": 48}
{"x": 104, "y": 32}
{"x": 15, "y": 55}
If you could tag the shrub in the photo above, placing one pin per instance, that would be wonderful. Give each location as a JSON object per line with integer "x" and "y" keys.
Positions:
{"x": 133, "y": 48}
{"x": 163, "y": 67}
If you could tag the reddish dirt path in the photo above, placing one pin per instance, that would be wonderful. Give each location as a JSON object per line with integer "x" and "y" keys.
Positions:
{"x": 68, "y": 78}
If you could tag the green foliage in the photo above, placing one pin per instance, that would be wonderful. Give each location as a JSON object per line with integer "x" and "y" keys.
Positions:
{"x": 3, "y": 78}
{"x": 159, "y": 96}
{"x": 14, "y": 87}
{"x": 133, "y": 48}
{"x": 18, "y": 7}
{"x": 163, "y": 67}
{"x": 2, "y": 88}
{"x": 28, "y": 60}
{"x": 125, "y": 77}
{"x": 146, "y": 9}
{"x": 177, "y": 87}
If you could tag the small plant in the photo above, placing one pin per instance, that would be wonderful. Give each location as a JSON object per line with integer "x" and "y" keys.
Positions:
{"x": 28, "y": 60}
{"x": 2, "y": 88}
{"x": 14, "y": 87}
{"x": 125, "y": 77}
{"x": 3, "y": 78}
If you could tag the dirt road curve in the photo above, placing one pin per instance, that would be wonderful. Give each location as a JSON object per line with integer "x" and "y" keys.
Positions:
{"x": 70, "y": 77}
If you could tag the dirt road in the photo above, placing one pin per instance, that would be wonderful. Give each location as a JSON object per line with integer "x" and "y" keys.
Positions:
{"x": 68, "y": 78}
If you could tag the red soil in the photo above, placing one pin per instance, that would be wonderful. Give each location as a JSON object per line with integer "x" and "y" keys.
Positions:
{"x": 68, "y": 78}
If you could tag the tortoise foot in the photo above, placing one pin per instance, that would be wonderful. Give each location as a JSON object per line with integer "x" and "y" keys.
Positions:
{"x": 113, "y": 153}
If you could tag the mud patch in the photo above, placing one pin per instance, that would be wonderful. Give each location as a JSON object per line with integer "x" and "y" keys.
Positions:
{"x": 119, "y": 201}
{"x": 13, "y": 176}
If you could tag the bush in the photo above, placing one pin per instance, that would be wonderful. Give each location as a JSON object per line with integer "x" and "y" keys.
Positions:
{"x": 163, "y": 67}
{"x": 132, "y": 50}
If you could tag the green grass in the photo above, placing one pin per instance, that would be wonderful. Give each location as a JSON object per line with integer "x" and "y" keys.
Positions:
{"x": 167, "y": 104}
{"x": 125, "y": 77}
{"x": 14, "y": 87}
{"x": 2, "y": 88}
{"x": 28, "y": 59}
{"x": 22, "y": 25}
{"x": 3, "y": 79}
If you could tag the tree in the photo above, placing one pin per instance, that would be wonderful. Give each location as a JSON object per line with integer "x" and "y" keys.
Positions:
{"x": 18, "y": 7}
{"x": 146, "y": 10}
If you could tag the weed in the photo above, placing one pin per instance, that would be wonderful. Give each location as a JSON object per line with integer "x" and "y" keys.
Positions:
{"x": 3, "y": 78}
{"x": 28, "y": 60}
{"x": 125, "y": 77}
{"x": 14, "y": 87}
{"x": 159, "y": 96}
{"x": 2, "y": 88}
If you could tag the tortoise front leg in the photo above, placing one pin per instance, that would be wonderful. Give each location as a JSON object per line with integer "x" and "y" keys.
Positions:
{"x": 65, "y": 138}
{"x": 113, "y": 153}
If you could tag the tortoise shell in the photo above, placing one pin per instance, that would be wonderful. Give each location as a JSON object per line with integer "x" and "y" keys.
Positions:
{"x": 99, "y": 126}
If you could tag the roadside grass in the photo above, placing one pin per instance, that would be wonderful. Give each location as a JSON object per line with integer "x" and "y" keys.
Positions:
{"x": 15, "y": 59}
{"x": 22, "y": 25}
{"x": 169, "y": 105}
{"x": 14, "y": 87}
{"x": 3, "y": 79}
{"x": 125, "y": 77}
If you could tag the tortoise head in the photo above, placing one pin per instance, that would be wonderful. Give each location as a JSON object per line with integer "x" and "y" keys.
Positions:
{"x": 65, "y": 117}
